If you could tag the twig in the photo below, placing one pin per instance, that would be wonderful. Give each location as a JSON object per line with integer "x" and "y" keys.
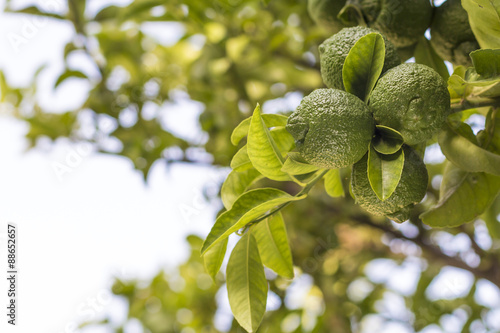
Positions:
{"x": 492, "y": 274}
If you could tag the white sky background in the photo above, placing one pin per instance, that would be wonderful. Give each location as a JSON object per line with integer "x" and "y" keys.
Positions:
{"x": 101, "y": 220}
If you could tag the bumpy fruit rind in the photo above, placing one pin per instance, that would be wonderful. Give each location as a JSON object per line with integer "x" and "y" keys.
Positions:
{"x": 402, "y": 22}
{"x": 331, "y": 128}
{"x": 412, "y": 99}
{"x": 410, "y": 190}
{"x": 451, "y": 34}
{"x": 335, "y": 49}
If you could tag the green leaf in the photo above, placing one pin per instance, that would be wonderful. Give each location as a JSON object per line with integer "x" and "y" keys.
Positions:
{"x": 246, "y": 283}
{"x": 273, "y": 245}
{"x": 387, "y": 140}
{"x": 283, "y": 140}
{"x": 333, "y": 183}
{"x": 459, "y": 149}
{"x": 108, "y": 13}
{"x": 296, "y": 165}
{"x": 463, "y": 197}
{"x": 265, "y": 155}
{"x": 304, "y": 179}
{"x": 135, "y": 8}
{"x": 271, "y": 120}
{"x": 425, "y": 54}
{"x": 236, "y": 183}
{"x": 486, "y": 63}
{"x": 213, "y": 258}
{"x": 363, "y": 65}
{"x": 484, "y": 19}
{"x": 241, "y": 161}
{"x": 69, "y": 74}
{"x": 33, "y": 10}
{"x": 384, "y": 172}
{"x": 470, "y": 85}
{"x": 491, "y": 220}
{"x": 248, "y": 207}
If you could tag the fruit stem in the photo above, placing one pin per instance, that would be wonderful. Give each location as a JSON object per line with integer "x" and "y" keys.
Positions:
{"x": 465, "y": 104}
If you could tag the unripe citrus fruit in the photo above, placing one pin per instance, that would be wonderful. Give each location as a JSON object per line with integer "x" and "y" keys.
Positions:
{"x": 451, "y": 34}
{"x": 402, "y": 22}
{"x": 324, "y": 13}
{"x": 412, "y": 99}
{"x": 410, "y": 190}
{"x": 331, "y": 128}
{"x": 335, "y": 49}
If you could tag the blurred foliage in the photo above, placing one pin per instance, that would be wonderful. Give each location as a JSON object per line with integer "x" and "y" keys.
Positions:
{"x": 230, "y": 55}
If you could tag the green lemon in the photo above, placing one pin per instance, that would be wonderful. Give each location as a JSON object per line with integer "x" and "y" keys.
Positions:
{"x": 402, "y": 22}
{"x": 324, "y": 13}
{"x": 331, "y": 128}
{"x": 412, "y": 99}
{"x": 451, "y": 34}
{"x": 335, "y": 49}
{"x": 410, "y": 190}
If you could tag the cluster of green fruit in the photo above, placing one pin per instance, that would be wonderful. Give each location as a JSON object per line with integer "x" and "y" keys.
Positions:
{"x": 333, "y": 128}
{"x": 403, "y": 22}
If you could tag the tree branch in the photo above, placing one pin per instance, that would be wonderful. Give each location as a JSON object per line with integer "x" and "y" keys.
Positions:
{"x": 433, "y": 252}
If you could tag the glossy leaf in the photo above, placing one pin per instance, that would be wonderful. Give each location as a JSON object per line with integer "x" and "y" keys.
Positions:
{"x": 463, "y": 197}
{"x": 241, "y": 161}
{"x": 236, "y": 183}
{"x": 484, "y": 19}
{"x": 214, "y": 257}
{"x": 248, "y": 207}
{"x": 273, "y": 245}
{"x": 425, "y": 54}
{"x": 384, "y": 172}
{"x": 465, "y": 153}
{"x": 304, "y": 179}
{"x": 296, "y": 165}
{"x": 283, "y": 140}
{"x": 363, "y": 65}
{"x": 265, "y": 155}
{"x": 333, "y": 183}
{"x": 486, "y": 63}
{"x": 387, "y": 140}
{"x": 246, "y": 283}
{"x": 271, "y": 120}
{"x": 470, "y": 85}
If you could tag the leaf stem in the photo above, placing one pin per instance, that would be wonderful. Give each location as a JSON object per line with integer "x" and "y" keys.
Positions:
{"x": 302, "y": 192}
{"x": 465, "y": 104}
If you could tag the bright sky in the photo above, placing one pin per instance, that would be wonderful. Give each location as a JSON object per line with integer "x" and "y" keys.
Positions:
{"x": 98, "y": 221}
